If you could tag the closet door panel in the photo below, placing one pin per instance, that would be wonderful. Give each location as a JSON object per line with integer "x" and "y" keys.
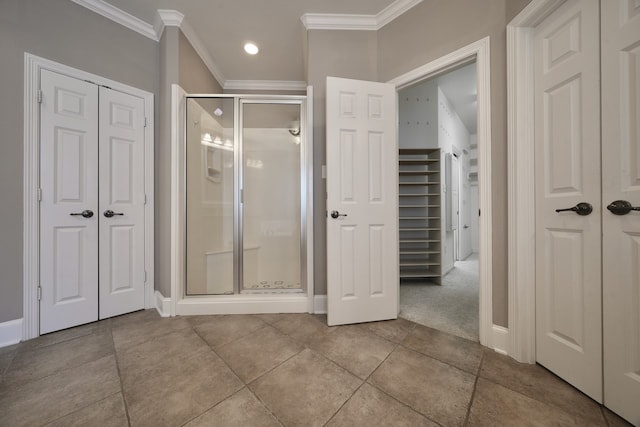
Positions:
{"x": 567, "y": 162}
{"x": 69, "y": 183}
{"x": 122, "y": 199}
{"x": 621, "y": 181}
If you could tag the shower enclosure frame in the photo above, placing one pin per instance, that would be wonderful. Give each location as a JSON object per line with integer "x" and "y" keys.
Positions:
{"x": 239, "y": 303}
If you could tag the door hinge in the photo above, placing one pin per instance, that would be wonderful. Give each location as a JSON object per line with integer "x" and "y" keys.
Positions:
{"x": 39, "y": 96}
{"x": 145, "y": 121}
{"x": 39, "y": 194}
{"x": 145, "y": 276}
{"x": 39, "y": 293}
{"x": 145, "y": 199}
{"x": 242, "y": 196}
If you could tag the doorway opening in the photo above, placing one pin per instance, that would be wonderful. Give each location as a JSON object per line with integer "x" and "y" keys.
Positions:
{"x": 439, "y": 222}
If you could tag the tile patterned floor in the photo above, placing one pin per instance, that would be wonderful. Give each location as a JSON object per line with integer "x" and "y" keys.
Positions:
{"x": 274, "y": 370}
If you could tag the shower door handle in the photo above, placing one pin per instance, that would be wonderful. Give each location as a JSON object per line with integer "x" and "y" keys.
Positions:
{"x": 336, "y": 214}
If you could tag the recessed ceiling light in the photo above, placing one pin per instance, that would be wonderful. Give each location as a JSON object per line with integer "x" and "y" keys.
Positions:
{"x": 251, "y": 48}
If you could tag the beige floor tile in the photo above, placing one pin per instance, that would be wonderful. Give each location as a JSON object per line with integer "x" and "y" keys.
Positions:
{"x": 158, "y": 354}
{"x": 435, "y": 389}
{"x": 240, "y": 410}
{"x": 108, "y": 412}
{"x": 392, "y": 330}
{"x": 538, "y": 383}
{"x": 358, "y": 351}
{"x": 221, "y": 330}
{"x": 6, "y": 356}
{"x": 33, "y": 363}
{"x": 47, "y": 399}
{"x": 173, "y": 393}
{"x": 269, "y": 318}
{"x": 369, "y": 407}
{"x": 456, "y": 351}
{"x": 133, "y": 329}
{"x": 494, "y": 405}
{"x": 306, "y": 390}
{"x": 103, "y": 326}
{"x": 259, "y": 352}
{"x": 305, "y": 328}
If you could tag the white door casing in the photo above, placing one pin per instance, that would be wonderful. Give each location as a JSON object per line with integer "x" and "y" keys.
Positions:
{"x": 121, "y": 191}
{"x": 620, "y": 44}
{"x": 567, "y": 157}
{"x": 69, "y": 186}
{"x": 362, "y": 184}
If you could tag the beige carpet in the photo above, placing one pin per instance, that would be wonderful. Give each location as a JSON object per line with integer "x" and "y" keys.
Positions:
{"x": 451, "y": 307}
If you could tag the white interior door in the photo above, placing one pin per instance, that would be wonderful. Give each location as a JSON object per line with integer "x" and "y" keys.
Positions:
{"x": 362, "y": 202}
{"x": 621, "y": 181}
{"x": 122, "y": 199}
{"x": 567, "y": 158}
{"x": 69, "y": 186}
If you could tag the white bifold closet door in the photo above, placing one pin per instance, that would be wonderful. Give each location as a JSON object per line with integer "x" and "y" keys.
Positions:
{"x": 587, "y": 109}
{"x": 91, "y": 165}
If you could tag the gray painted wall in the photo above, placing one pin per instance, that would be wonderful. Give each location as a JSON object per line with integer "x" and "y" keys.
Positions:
{"x": 64, "y": 32}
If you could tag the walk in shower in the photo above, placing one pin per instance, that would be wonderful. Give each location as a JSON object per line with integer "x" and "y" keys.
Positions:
{"x": 245, "y": 195}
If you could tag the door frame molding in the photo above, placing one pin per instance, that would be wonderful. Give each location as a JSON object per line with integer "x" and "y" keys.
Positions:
{"x": 31, "y": 178}
{"x": 521, "y": 178}
{"x": 480, "y": 52}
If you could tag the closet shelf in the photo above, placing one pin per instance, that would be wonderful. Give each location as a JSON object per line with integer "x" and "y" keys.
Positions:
{"x": 417, "y": 218}
{"x": 420, "y": 183}
{"x": 418, "y": 173}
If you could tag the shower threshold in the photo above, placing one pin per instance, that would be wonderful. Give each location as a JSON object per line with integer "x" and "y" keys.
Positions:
{"x": 272, "y": 291}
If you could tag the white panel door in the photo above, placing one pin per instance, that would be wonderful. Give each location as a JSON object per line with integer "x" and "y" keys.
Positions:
{"x": 567, "y": 157}
{"x": 69, "y": 185}
{"x": 621, "y": 181}
{"x": 362, "y": 202}
{"x": 121, "y": 206}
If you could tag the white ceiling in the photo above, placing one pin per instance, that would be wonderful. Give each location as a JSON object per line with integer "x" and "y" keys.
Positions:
{"x": 221, "y": 28}
{"x": 460, "y": 88}
{"x": 224, "y": 25}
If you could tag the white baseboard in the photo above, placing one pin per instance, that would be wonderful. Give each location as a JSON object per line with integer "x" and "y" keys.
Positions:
{"x": 163, "y": 305}
{"x": 500, "y": 339}
{"x": 10, "y": 332}
{"x": 320, "y": 304}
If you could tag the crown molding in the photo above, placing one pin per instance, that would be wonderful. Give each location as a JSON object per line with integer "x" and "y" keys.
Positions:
{"x": 275, "y": 85}
{"x": 121, "y": 17}
{"x": 329, "y": 21}
{"x": 394, "y": 10}
{"x": 204, "y": 54}
{"x": 167, "y": 18}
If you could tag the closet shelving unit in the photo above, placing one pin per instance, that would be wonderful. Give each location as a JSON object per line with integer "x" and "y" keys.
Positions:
{"x": 420, "y": 211}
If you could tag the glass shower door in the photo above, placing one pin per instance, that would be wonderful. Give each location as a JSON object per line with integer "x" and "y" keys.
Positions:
{"x": 210, "y": 175}
{"x": 271, "y": 197}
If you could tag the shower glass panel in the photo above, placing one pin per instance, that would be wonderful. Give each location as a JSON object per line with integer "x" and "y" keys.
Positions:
{"x": 210, "y": 196}
{"x": 271, "y": 196}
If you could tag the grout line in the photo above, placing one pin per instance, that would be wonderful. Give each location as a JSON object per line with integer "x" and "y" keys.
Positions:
{"x": 473, "y": 393}
{"x": 363, "y": 381}
{"x": 391, "y": 396}
{"x": 115, "y": 355}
